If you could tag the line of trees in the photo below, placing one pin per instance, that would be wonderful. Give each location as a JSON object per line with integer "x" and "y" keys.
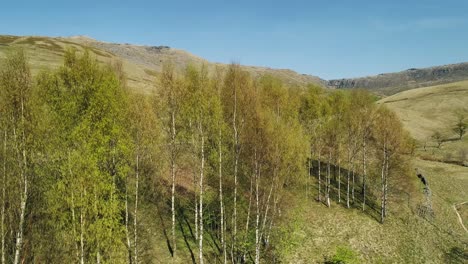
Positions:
{"x": 92, "y": 169}
{"x": 352, "y": 140}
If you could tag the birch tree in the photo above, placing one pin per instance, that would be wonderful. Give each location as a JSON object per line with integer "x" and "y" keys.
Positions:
{"x": 172, "y": 95}
{"x": 234, "y": 96}
{"x": 388, "y": 137}
{"x": 87, "y": 99}
{"x": 143, "y": 125}
{"x": 15, "y": 94}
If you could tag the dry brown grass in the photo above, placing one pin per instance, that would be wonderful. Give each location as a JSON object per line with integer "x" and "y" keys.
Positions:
{"x": 429, "y": 109}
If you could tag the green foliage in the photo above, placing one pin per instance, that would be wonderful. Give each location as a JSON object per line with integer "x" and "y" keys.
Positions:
{"x": 85, "y": 101}
{"x": 461, "y": 124}
{"x": 90, "y": 141}
{"x": 343, "y": 255}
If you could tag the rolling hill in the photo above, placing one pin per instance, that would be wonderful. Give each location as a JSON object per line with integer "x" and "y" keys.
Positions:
{"x": 141, "y": 63}
{"x": 429, "y": 109}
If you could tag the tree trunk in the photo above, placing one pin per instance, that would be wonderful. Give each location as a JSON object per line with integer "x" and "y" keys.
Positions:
{"x": 257, "y": 221}
{"x": 382, "y": 216}
{"x": 309, "y": 167}
{"x": 364, "y": 174}
{"x": 24, "y": 196}
{"x": 127, "y": 231}
{"x": 353, "y": 183}
{"x": 386, "y": 186}
{"x": 328, "y": 180}
{"x": 247, "y": 222}
{"x": 82, "y": 256}
{"x": 275, "y": 203}
{"x": 236, "y": 163}
{"x": 4, "y": 195}
{"x": 347, "y": 177}
{"x": 201, "y": 197}
{"x": 135, "y": 216}
{"x": 221, "y": 203}
{"x": 234, "y": 220}
{"x": 339, "y": 179}
{"x": 173, "y": 135}
{"x": 267, "y": 206}
{"x": 319, "y": 177}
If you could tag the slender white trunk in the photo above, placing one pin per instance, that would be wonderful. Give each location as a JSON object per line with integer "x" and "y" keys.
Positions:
{"x": 74, "y": 224}
{"x": 135, "y": 214}
{"x": 235, "y": 205}
{"x": 195, "y": 188}
{"x": 328, "y": 179}
{"x": 3, "y": 195}
{"x": 247, "y": 222}
{"x": 353, "y": 166}
{"x": 267, "y": 207}
{"x": 364, "y": 173}
{"x": 23, "y": 199}
{"x": 275, "y": 203}
{"x": 384, "y": 160}
{"x": 257, "y": 222}
{"x": 73, "y": 207}
{"x": 221, "y": 202}
{"x": 196, "y": 204}
{"x": 19, "y": 235}
{"x": 339, "y": 176}
{"x": 173, "y": 135}
{"x": 347, "y": 177}
{"x": 236, "y": 161}
{"x": 309, "y": 167}
{"x": 82, "y": 256}
{"x": 319, "y": 176}
{"x": 127, "y": 231}
{"x": 386, "y": 185}
{"x": 201, "y": 197}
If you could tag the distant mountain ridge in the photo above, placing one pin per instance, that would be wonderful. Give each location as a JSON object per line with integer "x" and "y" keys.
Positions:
{"x": 391, "y": 83}
{"x": 143, "y": 63}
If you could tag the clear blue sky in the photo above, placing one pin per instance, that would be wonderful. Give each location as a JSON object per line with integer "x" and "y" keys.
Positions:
{"x": 331, "y": 39}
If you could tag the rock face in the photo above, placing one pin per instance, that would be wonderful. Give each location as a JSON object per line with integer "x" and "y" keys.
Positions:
{"x": 157, "y": 48}
{"x": 390, "y": 83}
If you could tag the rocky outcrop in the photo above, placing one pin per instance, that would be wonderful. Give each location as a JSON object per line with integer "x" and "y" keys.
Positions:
{"x": 390, "y": 83}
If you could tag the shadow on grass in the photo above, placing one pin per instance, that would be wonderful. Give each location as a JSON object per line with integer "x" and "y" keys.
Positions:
{"x": 184, "y": 235}
{"x": 372, "y": 208}
{"x": 163, "y": 226}
{"x": 456, "y": 255}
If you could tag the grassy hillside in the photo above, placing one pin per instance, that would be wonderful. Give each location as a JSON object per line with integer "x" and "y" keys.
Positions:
{"x": 313, "y": 233}
{"x": 425, "y": 111}
{"x": 141, "y": 63}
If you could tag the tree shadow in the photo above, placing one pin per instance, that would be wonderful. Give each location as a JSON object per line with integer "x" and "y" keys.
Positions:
{"x": 184, "y": 235}
{"x": 372, "y": 208}
{"x": 163, "y": 226}
{"x": 456, "y": 255}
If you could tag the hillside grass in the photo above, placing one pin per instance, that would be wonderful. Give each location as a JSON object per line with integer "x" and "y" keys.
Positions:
{"x": 312, "y": 233}
{"x": 429, "y": 109}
